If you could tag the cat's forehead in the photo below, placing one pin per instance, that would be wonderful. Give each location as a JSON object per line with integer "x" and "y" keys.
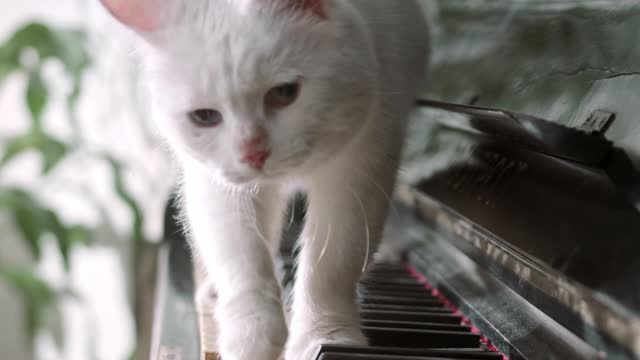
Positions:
{"x": 232, "y": 53}
{"x": 236, "y": 46}
{"x": 225, "y": 63}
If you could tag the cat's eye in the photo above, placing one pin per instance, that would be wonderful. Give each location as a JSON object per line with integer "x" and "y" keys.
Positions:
{"x": 282, "y": 95}
{"x": 206, "y": 117}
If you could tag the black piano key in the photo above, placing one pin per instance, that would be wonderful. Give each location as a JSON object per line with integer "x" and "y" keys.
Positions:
{"x": 415, "y": 325}
{"x": 393, "y": 287}
{"x": 387, "y": 266}
{"x": 400, "y": 275}
{"x": 367, "y": 351}
{"x": 393, "y": 282}
{"x": 403, "y": 320}
{"x": 410, "y": 316}
{"x": 420, "y": 338}
{"x": 439, "y": 309}
{"x": 400, "y": 293}
{"x": 415, "y": 293}
{"x": 400, "y": 300}
{"x": 387, "y": 276}
{"x": 394, "y": 271}
{"x": 338, "y": 356}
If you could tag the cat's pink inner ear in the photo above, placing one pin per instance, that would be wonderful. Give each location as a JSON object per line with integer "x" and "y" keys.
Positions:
{"x": 315, "y": 6}
{"x": 141, "y": 15}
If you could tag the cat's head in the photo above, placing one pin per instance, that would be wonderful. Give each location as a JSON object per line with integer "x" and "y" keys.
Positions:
{"x": 254, "y": 89}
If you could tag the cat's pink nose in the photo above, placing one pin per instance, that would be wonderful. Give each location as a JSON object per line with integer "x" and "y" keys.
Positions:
{"x": 255, "y": 152}
{"x": 256, "y": 159}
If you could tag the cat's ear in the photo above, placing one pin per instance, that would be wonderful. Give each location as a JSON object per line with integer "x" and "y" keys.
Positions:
{"x": 315, "y": 7}
{"x": 139, "y": 15}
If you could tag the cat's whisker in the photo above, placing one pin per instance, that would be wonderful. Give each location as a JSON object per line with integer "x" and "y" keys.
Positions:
{"x": 366, "y": 229}
{"x": 324, "y": 247}
{"x": 299, "y": 148}
{"x": 374, "y": 182}
{"x": 297, "y": 151}
{"x": 379, "y": 187}
{"x": 292, "y": 215}
{"x": 313, "y": 237}
{"x": 260, "y": 234}
{"x": 259, "y": 202}
{"x": 234, "y": 201}
{"x": 290, "y": 160}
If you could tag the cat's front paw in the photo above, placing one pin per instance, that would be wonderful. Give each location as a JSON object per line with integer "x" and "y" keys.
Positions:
{"x": 306, "y": 339}
{"x": 252, "y": 330}
{"x": 206, "y": 302}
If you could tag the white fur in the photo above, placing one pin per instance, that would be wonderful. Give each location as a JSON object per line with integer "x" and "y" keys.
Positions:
{"x": 340, "y": 141}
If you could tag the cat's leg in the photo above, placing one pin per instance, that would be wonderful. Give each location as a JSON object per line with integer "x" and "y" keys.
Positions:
{"x": 230, "y": 233}
{"x": 276, "y": 232}
{"x": 346, "y": 213}
{"x": 205, "y": 299}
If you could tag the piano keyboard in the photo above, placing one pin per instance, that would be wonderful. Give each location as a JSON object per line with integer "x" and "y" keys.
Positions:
{"x": 406, "y": 320}
{"x": 404, "y": 317}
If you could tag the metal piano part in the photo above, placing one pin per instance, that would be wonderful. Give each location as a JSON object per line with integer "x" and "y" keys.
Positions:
{"x": 560, "y": 233}
{"x": 550, "y": 210}
{"x": 583, "y": 146}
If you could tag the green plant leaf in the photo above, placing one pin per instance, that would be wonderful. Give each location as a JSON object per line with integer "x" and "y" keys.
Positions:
{"x": 52, "y": 150}
{"x": 67, "y": 237}
{"x": 33, "y": 221}
{"x": 67, "y": 45}
{"x": 10, "y": 198}
{"x": 30, "y": 219}
{"x": 37, "y": 296}
{"x": 60, "y": 232}
{"x": 9, "y": 60}
{"x": 6, "y": 67}
{"x": 36, "y": 96}
{"x": 71, "y": 50}
{"x": 32, "y": 35}
{"x": 76, "y": 60}
{"x": 79, "y": 235}
{"x": 32, "y": 225}
{"x": 136, "y": 212}
{"x": 16, "y": 146}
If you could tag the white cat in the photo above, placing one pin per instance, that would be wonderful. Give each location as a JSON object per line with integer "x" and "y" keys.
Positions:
{"x": 259, "y": 97}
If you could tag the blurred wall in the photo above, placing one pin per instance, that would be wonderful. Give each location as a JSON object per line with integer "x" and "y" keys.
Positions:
{"x": 111, "y": 116}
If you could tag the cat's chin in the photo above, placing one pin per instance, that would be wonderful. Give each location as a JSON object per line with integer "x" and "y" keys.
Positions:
{"x": 238, "y": 180}
{"x": 248, "y": 180}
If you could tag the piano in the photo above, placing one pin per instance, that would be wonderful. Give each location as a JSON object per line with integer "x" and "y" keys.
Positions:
{"x": 517, "y": 211}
